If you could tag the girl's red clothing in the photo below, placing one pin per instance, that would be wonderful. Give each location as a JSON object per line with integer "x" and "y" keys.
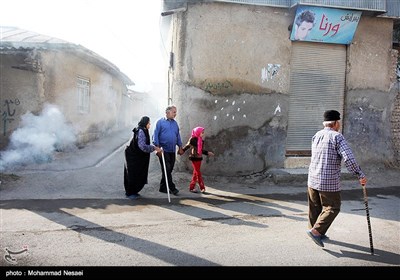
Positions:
{"x": 196, "y": 177}
{"x": 196, "y": 160}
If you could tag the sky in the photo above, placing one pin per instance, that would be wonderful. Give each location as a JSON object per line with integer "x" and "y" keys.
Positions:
{"x": 125, "y": 32}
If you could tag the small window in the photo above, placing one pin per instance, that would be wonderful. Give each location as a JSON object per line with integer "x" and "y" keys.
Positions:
{"x": 83, "y": 95}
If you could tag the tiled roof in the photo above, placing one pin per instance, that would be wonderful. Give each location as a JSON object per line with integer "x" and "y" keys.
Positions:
{"x": 17, "y": 35}
{"x": 14, "y": 38}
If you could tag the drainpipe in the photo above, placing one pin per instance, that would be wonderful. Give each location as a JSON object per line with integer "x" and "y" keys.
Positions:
{"x": 171, "y": 54}
{"x": 174, "y": 11}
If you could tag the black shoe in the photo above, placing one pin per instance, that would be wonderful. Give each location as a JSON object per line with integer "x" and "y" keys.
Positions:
{"x": 133, "y": 196}
{"x": 128, "y": 195}
{"x": 175, "y": 192}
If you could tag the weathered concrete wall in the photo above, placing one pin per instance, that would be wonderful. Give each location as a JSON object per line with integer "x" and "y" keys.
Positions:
{"x": 232, "y": 77}
{"x": 371, "y": 94}
{"x": 55, "y": 82}
{"x": 369, "y": 62}
{"x": 226, "y": 48}
{"x": 62, "y": 70}
{"x": 246, "y": 132}
{"x": 21, "y": 91}
{"x": 367, "y": 125}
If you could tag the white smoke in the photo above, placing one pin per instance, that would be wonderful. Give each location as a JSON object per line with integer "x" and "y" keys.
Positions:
{"x": 38, "y": 138}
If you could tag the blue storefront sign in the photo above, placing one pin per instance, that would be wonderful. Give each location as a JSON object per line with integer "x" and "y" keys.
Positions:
{"x": 324, "y": 25}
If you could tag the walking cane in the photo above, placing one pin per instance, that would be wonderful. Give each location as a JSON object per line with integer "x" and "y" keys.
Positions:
{"x": 165, "y": 173}
{"x": 368, "y": 221}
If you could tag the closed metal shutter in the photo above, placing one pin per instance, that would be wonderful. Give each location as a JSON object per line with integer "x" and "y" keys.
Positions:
{"x": 317, "y": 80}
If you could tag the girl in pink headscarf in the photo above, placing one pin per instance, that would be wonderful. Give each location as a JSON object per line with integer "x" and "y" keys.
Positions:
{"x": 195, "y": 144}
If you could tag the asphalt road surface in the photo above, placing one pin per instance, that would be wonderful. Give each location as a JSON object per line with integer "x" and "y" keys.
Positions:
{"x": 80, "y": 217}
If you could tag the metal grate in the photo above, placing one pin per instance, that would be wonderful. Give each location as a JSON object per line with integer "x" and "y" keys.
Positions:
{"x": 371, "y": 5}
{"x": 317, "y": 80}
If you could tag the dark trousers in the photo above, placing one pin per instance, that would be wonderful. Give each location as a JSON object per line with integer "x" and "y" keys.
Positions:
{"x": 323, "y": 207}
{"x": 169, "y": 165}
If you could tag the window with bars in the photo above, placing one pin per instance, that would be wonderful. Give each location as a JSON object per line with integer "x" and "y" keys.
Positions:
{"x": 83, "y": 86}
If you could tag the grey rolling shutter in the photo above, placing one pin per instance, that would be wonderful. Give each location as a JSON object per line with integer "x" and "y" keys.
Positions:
{"x": 317, "y": 80}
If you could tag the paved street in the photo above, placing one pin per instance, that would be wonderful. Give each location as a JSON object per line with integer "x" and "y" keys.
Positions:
{"x": 77, "y": 215}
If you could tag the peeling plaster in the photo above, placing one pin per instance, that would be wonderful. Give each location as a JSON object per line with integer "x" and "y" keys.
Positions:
{"x": 270, "y": 72}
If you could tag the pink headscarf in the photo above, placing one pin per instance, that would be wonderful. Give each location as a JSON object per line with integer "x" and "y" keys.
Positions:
{"x": 196, "y": 132}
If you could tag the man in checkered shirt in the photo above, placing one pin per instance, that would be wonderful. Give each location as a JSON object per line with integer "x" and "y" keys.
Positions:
{"x": 328, "y": 149}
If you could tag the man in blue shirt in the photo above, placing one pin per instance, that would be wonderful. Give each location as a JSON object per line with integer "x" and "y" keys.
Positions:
{"x": 328, "y": 149}
{"x": 166, "y": 135}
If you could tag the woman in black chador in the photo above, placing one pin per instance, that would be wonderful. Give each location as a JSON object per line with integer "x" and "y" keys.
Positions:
{"x": 137, "y": 159}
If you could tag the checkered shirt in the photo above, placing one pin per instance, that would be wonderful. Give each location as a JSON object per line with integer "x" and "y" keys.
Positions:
{"x": 328, "y": 149}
